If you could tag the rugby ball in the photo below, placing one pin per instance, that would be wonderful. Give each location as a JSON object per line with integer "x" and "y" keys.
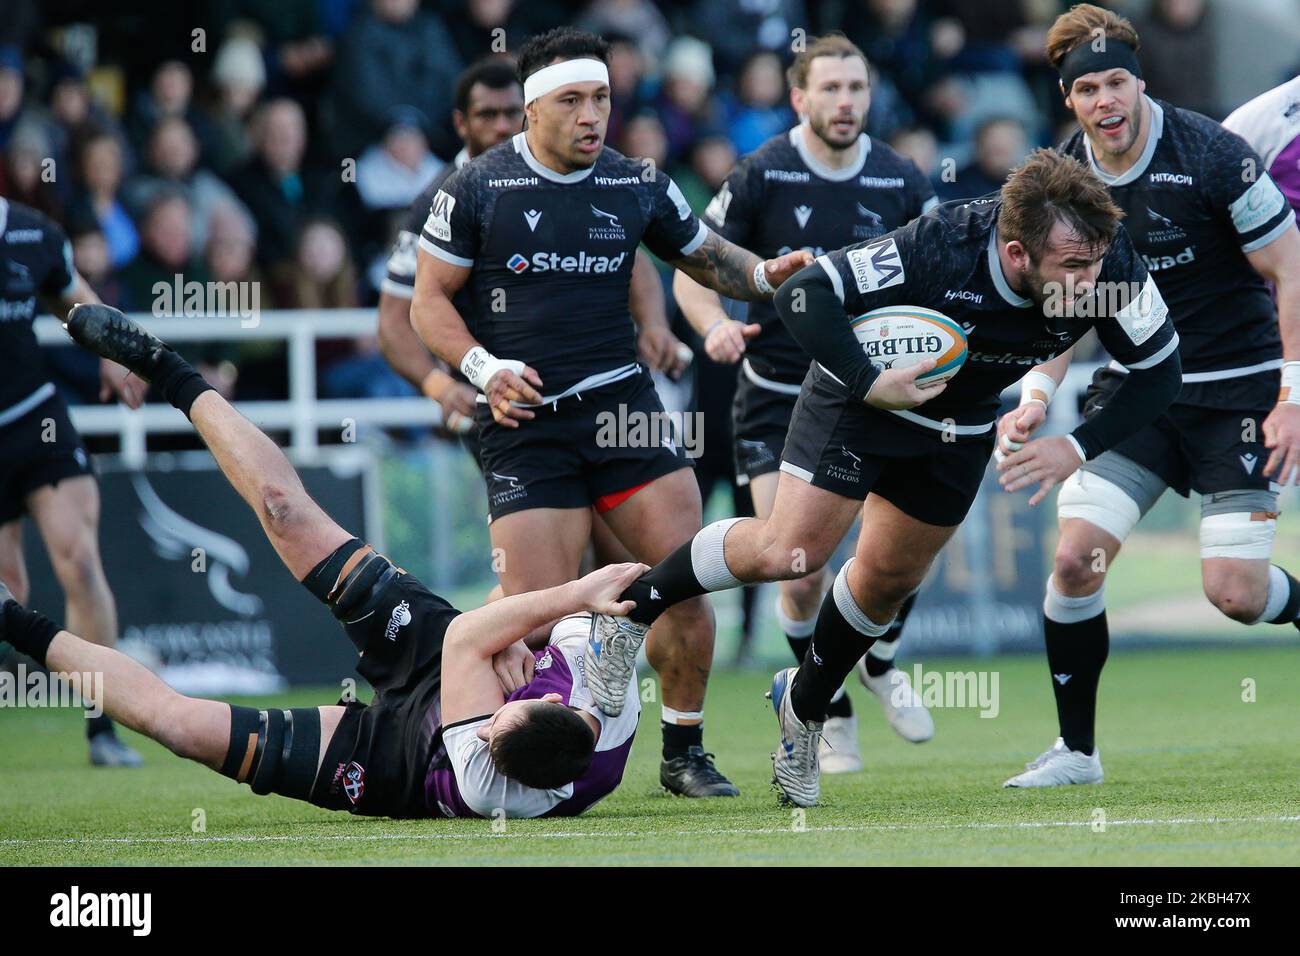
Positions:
{"x": 900, "y": 336}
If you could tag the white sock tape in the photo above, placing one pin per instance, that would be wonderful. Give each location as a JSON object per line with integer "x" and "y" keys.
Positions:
{"x": 682, "y": 717}
{"x": 1279, "y": 590}
{"x": 792, "y": 627}
{"x": 548, "y": 78}
{"x": 849, "y": 607}
{"x": 1072, "y": 610}
{"x": 707, "y": 559}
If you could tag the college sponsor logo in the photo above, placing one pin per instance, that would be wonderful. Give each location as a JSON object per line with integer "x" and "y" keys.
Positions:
{"x": 555, "y": 262}
{"x": 802, "y": 214}
{"x": 716, "y": 211}
{"x": 439, "y": 222}
{"x": 609, "y": 229}
{"x": 1177, "y": 179}
{"x": 964, "y": 295}
{"x": 1257, "y": 205}
{"x": 532, "y": 217}
{"x": 876, "y": 266}
{"x": 882, "y": 182}
{"x": 24, "y": 236}
{"x": 512, "y": 181}
{"x": 400, "y": 617}
{"x": 786, "y": 176}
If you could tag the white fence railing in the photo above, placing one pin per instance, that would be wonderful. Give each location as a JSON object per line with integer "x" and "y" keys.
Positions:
{"x": 303, "y": 415}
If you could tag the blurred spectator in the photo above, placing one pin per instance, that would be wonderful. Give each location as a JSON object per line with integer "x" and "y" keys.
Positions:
{"x": 737, "y": 28}
{"x": 271, "y": 183}
{"x": 394, "y": 54}
{"x": 1000, "y": 145}
{"x": 321, "y": 274}
{"x": 713, "y": 157}
{"x": 758, "y": 110}
{"x": 633, "y": 18}
{"x": 170, "y": 94}
{"x": 172, "y": 165}
{"x": 166, "y": 250}
{"x": 391, "y": 173}
{"x": 919, "y": 145}
{"x": 684, "y": 103}
{"x": 299, "y": 49}
{"x": 627, "y": 83}
{"x": 27, "y": 173}
{"x": 11, "y": 91}
{"x": 99, "y": 163}
{"x": 76, "y": 371}
{"x": 230, "y": 252}
{"x": 644, "y": 138}
{"x": 1178, "y": 54}
{"x": 481, "y": 27}
{"x": 72, "y": 114}
{"x": 238, "y": 78}
{"x": 896, "y": 39}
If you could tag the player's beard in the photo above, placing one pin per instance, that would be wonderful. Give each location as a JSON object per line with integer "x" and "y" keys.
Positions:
{"x": 821, "y": 128}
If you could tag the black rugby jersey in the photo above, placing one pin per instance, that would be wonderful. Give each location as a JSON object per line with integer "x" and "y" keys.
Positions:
{"x": 947, "y": 260}
{"x": 35, "y": 261}
{"x": 780, "y": 198}
{"x": 1196, "y": 200}
{"x": 399, "y": 271}
{"x": 552, "y": 254}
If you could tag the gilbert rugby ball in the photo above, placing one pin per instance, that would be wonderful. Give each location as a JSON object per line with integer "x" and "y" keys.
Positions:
{"x": 900, "y": 336}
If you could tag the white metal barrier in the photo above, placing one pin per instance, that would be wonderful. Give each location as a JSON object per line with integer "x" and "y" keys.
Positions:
{"x": 302, "y": 415}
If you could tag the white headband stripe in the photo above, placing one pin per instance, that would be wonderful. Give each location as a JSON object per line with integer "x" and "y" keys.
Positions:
{"x": 552, "y": 77}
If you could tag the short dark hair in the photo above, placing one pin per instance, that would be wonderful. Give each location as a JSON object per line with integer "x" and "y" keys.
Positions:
{"x": 494, "y": 72}
{"x": 562, "y": 43}
{"x": 1050, "y": 187}
{"x": 548, "y": 747}
{"x": 833, "y": 44}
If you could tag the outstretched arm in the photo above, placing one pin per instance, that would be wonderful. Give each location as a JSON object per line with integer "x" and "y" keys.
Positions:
{"x": 728, "y": 269}
{"x": 470, "y": 686}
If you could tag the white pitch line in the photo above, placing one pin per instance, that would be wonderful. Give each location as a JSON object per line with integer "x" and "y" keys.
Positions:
{"x": 571, "y": 834}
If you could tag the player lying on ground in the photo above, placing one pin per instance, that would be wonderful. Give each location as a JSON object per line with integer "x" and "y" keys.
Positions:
{"x": 466, "y": 720}
{"x": 1019, "y": 270}
{"x": 1211, "y": 223}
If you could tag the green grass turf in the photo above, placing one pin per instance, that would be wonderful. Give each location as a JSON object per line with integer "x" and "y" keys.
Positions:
{"x": 1178, "y": 743}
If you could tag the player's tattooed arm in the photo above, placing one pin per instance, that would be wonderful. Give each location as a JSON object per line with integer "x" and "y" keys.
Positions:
{"x": 728, "y": 269}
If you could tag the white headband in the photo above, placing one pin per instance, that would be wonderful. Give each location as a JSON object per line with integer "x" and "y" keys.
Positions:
{"x": 552, "y": 77}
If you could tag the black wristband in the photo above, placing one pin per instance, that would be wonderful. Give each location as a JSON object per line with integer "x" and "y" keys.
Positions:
{"x": 30, "y": 632}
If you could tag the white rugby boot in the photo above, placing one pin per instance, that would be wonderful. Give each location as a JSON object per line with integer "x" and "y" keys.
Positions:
{"x": 794, "y": 764}
{"x": 1059, "y": 766}
{"x": 610, "y": 658}
{"x": 838, "y": 751}
{"x": 901, "y": 703}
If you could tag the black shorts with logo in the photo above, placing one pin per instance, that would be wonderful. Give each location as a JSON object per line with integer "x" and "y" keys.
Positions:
{"x": 844, "y": 446}
{"x": 1210, "y": 440}
{"x": 760, "y": 419}
{"x": 38, "y": 449}
{"x": 376, "y": 762}
{"x": 578, "y": 450}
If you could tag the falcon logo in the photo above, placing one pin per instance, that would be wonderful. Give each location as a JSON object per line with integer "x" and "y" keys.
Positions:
{"x": 601, "y": 214}
{"x": 609, "y": 229}
{"x": 718, "y": 206}
{"x": 532, "y": 217}
{"x": 802, "y": 215}
{"x": 1156, "y": 217}
{"x": 876, "y": 266}
{"x": 867, "y": 213}
{"x": 654, "y": 593}
{"x": 517, "y": 264}
{"x": 1249, "y": 461}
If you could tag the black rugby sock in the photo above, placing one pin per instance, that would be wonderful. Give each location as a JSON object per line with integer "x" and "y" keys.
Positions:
{"x": 836, "y": 647}
{"x": 103, "y": 724}
{"x": 1076, "y": 654}
{"x": 679, "y": 738}
{"x": 696, "y": 567}
{"x": 843, "y": 707}
{"x": 177, "y": 381}
{"x": 880, "y": 659}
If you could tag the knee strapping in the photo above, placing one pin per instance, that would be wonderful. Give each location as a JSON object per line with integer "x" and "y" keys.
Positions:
{"x": 1099, "y": 502}
{"x": 349, "y": 593}
{"x": 1240, "y": 534}
{"x": 274, "y": 751}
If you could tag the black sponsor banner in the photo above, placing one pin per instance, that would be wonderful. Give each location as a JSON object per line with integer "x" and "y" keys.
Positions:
{"x": 201, "y": 595}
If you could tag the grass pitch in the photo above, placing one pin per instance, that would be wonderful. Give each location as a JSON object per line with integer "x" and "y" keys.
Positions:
{"x": 1194, "y": 775}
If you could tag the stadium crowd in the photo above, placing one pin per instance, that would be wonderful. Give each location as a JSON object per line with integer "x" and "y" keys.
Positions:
{"x": 278, "y": 142}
